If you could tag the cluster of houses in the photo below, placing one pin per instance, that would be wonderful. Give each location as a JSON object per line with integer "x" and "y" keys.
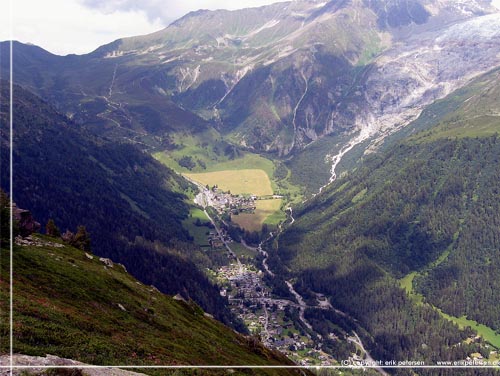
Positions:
{"x": 225, "y": 202}
{"x": 218, "y": 239}
{"x": 251, "y": 300}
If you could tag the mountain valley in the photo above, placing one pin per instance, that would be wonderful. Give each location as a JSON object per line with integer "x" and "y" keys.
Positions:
{"x": 320, "y": 176}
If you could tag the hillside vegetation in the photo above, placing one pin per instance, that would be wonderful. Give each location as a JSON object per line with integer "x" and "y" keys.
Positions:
{"x": 130, "y": 203}
{"x": 428, "y": 205}
{"x": 73, "y": 305}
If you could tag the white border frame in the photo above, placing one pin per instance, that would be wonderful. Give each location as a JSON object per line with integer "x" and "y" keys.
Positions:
{"x": 12, "y": 366}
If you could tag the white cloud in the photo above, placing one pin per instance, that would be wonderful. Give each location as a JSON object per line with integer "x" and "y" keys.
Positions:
{"x": 167, "y": 11}
{"x": 496, "y": 3}
{"x": 65, "y": 26}
{"x": 5, "y": 20}
{"x": 80, "y": 26}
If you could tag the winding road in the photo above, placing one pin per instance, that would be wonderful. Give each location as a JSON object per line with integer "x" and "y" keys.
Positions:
{"x": 368, "y": 359}
{"x": 203, "y": 200}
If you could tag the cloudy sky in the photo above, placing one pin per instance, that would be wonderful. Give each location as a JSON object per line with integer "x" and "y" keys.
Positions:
{"x": 80, "y": 26}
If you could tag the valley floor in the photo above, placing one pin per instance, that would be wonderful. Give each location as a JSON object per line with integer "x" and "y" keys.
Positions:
{"x": 279, "y": 322}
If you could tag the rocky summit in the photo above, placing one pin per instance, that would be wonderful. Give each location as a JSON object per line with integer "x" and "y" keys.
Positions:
{"x": 278, "y": 77}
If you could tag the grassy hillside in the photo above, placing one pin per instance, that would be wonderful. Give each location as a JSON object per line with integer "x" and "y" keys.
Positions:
{"x": 422, "y": 215}
{"x": 73, "y": 305}
{"x": 129, "y": 202}
{"x": 471, "y": 111}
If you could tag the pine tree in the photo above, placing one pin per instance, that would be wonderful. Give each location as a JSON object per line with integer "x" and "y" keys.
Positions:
{"x": 82, "y": 239}
{"x": 51, "y": 229}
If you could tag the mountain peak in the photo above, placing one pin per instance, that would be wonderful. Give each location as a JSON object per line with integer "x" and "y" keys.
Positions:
{"x": 195, "y": 13}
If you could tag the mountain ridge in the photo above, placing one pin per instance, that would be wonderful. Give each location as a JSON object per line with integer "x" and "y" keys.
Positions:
{"x": 204, "y": 64}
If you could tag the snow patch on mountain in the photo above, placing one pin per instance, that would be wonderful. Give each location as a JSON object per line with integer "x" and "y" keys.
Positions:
{"x": 267, "y": 25}
{"x": 484, "y": 27}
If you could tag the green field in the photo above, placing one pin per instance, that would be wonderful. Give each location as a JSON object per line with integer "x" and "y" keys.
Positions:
{"x": 247, "y": 161}
{"x": 213, "y": 160}
{"x": 254, "y": 222}
{"x": 199, "y": 233}
{"x": 246, "y": 173}
{"x": 252, "y": 181}
{"x": 487, "y": 333}
{"x": 206, "y": 154}
{"x": 242, "y": 252}
{"x": 276, "y": 218}
{"x": 406, "y": 282}
{"x": 247, "y": 181}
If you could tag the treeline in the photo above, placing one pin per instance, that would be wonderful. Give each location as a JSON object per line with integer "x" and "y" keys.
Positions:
{"x": 467, "y": 282}
{"x": 120, "y": 194}
{"x": 334, "y": 329}
{"x": 404, "y": 211}
{"x": 398, "y": 329}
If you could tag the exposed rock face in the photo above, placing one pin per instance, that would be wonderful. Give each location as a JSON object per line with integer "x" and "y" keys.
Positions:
{"x": 106, "y": 261}
{"x": 180, "y": 297}
{"x": 405, "y": 79}
{"x": 278, "y": 77}
{"x": 25, "y": 222}
{"x": 339, "y": 66}
{"x": 31, "y": 241}
{"x": 52, "y": 360}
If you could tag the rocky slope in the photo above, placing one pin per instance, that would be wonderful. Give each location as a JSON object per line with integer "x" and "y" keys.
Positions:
{"x": 278, "y": 77}
{"x": 51, "y": 360}
{"x": 76, "y": 305}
